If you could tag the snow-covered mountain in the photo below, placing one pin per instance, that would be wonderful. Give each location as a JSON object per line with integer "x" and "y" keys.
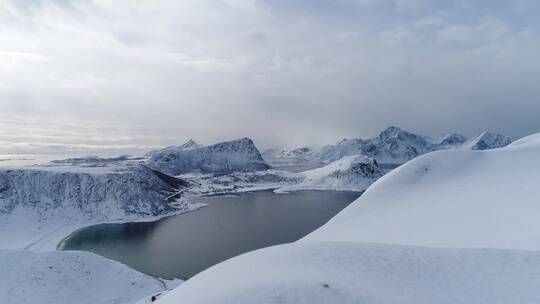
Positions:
{"x": 354, "y": 173}
{"x": 394, "y": 146}
{"x": 190, "y": 144}
{"x": 476, "y": 213}
{"x": 452, "y": 140}
{"x": 488, "y": 140}
{"x": 226, "y": 157}
{"x": 298, "y": 154}
{"x": 83, "y": 193}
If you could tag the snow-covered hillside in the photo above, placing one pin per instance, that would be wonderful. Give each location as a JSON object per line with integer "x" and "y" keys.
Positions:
{"x": 453, "y": 198}
{"x": 354, "y": 173}
{"x": 352, "y": 273}
{"x": 36, "y": 201}
{"x": 476, "y": 213}
{"x": 226, "y": 157}
{"x": 70, "y": 277}
{"x": 392, "y": 146}
{"x": 76, "y": 192}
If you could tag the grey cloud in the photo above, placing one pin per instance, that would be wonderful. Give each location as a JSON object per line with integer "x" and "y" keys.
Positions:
{"x": 131, "y": 75}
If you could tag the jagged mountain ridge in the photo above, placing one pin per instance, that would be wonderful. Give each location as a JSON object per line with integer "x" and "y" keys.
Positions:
{"x": 232, "y": 156}
{"x": 395, "y": 146}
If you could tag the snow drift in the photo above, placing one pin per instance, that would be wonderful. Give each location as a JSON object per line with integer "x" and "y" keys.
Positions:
{"x": 465, "y": 199}
{"x": 352, "y": 273}
{"x": 226, "y": 157}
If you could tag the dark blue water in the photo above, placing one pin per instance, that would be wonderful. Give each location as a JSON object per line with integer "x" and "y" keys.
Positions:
{"x": 184, "y": 245}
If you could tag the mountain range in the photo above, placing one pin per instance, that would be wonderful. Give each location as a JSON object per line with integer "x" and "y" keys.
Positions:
{"x": 392, "y": 146}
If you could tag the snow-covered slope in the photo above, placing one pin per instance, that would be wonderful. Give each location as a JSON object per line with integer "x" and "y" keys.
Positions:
{"x": 37, "y": 201}
{"x": 455, "y": 203}
{"x": 355, "y": 173}
{"x": 352, "y": 273}
{"x": 70, "y": 277}
{"x": 454, "y": 198}
{"x": 226, "y": 157}
{"x": 83, "y": 192}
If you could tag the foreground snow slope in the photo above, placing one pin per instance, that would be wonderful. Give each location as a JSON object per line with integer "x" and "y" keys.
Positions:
{"x": 335, "y": 272}
{"x": 70, "y": 277}
{"x": 450, "y": 199}
{"x": 466, "y": 199}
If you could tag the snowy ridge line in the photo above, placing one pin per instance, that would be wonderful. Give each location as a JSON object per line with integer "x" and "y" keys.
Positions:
{"x": 391, "y": 146}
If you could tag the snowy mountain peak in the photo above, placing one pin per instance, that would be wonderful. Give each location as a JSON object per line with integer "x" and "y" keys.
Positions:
{"x": 225, "y": 157}
{"x": 489, "y": 140}
{"x": 453, "y": 139}
{"x": 190, "y": 144}
{"x": 396, "y": 133}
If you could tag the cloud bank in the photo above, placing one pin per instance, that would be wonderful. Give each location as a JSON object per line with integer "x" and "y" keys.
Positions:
{"x": 121, "y": 76}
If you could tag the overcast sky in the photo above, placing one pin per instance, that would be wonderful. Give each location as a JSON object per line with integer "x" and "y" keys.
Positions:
{"x": 125, "y": 75}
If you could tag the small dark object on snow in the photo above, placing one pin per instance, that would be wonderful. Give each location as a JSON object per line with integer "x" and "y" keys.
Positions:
{"x": 325, "y": 285}
{"x": 153, "y": 298}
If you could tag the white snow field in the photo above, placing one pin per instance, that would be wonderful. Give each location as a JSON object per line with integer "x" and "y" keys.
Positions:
{"x": 70, "y": 277}
{"x": 453, "y": 203}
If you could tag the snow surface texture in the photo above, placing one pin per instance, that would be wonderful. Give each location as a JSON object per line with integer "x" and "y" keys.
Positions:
{"x": 456, "y": 198}
{"x": 354, "y": 173}
{"x": 335, "y": 272}
{"x": 237, "y": 155}
{"x": 70, "y": 277}
{"x": 392, "y": 146}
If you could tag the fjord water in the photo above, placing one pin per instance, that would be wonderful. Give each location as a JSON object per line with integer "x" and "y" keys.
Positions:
{"x": 184, "y": 245}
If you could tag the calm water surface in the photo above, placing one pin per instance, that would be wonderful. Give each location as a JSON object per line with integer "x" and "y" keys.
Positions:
{"x": 184, "y": 245}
